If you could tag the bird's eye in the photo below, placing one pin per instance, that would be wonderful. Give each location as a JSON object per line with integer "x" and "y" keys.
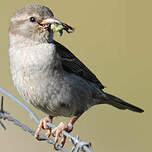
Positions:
{"x": 32, "y": 19}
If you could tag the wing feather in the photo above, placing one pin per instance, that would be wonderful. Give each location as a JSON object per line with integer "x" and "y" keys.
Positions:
{"x": 72, "y": 64}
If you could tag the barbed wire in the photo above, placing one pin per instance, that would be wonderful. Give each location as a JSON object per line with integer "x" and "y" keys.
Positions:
{"x": 75, "y": 140}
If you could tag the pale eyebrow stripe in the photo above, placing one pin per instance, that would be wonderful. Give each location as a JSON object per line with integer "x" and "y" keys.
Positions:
{"x": 23, "y": 17}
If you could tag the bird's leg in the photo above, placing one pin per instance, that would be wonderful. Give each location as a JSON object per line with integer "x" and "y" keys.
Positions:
{"x": 63, "y": 126}
{"x": 43, "y": 125}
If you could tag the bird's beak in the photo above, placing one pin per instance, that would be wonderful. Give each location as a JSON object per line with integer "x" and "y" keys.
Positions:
{"x": 56, "y": 25}
{"x": 50, "y": 21}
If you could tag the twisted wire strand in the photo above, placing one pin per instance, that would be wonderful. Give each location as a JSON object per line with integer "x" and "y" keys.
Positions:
{"x": 77, "y": 144}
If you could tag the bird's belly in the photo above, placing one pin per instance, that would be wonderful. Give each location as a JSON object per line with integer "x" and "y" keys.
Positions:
{"x": 58, "y": 95}
{"x": 45, "y": 86}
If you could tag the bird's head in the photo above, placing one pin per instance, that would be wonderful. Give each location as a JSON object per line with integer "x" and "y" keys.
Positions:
{"x": 37, "y": 23}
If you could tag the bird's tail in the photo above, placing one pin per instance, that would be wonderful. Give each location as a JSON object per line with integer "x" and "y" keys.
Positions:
{"x": 119, "y": 103}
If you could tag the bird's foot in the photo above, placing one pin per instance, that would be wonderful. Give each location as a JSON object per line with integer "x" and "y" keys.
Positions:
{"x": 56, "y": 132}
{"x": 43, "y": 125}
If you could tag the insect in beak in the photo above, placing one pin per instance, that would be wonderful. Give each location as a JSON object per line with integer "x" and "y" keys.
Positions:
{"x": 56, "y": 26}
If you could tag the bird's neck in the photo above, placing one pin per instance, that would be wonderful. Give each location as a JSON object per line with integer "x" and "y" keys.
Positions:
{"x": 22, "y": 42}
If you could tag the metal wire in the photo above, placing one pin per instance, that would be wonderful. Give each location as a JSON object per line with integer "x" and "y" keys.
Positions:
{"x": 77, "y": 144}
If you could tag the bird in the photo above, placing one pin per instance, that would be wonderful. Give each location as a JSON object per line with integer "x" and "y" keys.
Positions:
{"x": 48, "y": 75}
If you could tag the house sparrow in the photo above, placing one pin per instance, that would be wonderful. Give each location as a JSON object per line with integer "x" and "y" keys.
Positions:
{"x": 48, "y": 75}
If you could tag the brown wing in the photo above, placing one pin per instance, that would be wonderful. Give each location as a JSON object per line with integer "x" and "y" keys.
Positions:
{"x": 72, "y": 64}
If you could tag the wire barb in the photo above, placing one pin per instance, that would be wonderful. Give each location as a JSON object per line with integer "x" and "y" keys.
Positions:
{"x": 77, "y": 144}
{"x": 80, "y": 145}
{"x": 2, "y": 111}
{"x": 2, "y": 99}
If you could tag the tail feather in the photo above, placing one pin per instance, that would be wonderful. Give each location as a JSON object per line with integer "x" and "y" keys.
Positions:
{"x": 120, "y": 104}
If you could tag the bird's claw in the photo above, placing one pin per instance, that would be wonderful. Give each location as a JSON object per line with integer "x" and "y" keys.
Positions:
{"x": 43, "y": 125}
{"x": 56, "y": 132}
